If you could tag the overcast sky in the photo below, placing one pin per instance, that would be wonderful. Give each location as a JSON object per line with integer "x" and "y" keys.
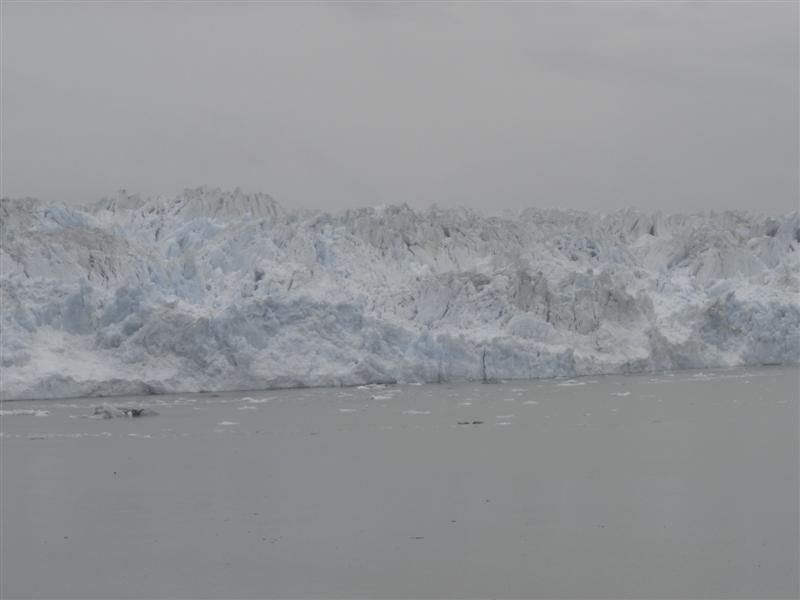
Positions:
{"x": 599, "y": 105}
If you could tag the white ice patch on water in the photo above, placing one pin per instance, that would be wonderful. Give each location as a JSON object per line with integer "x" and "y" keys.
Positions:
{"x": 227, "y": 423}
{"x": 53, "y": 436}
{"x": 571, "y": 382}
{"x": 531, "y": 402}
{"x": 416, "y": 412}
{"x": 620, "y": 393}
{"x": 24, "y": 412}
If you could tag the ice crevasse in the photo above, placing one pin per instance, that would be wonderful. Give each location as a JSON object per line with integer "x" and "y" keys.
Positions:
{"x": 215, "y": 290}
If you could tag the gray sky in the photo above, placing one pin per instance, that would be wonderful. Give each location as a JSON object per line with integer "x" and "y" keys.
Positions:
{"x": 600, "y": 105}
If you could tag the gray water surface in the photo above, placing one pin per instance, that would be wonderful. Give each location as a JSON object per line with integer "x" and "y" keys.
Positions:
{"x": 681, "y": 485}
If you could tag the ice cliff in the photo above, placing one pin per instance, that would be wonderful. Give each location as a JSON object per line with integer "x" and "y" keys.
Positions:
{"x": 217, "y": 290}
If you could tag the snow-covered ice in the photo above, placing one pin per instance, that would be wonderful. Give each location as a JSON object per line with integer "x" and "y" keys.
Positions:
{"x": 212, "y": 291}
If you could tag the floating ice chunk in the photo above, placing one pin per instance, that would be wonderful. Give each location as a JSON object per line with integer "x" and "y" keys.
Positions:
{"x": 416, "y": 412}
{"x": 381, "y": 397}
{"x": 247, "y": 408}
{"x": 700, "y": 377}
{"x": 259, "y": 400}
{"x": 502, "y": 423}
{"x": 348, "y": 410}
{"x": 109, "y": 411}
{"x": 571, "y": 382}
{"x": 504, "y": 417}
{"x": 531, "y": 402}
{"x": 226, "y": 423}
{"x": 620, "y": 393}
{"x": 465, "y": 403}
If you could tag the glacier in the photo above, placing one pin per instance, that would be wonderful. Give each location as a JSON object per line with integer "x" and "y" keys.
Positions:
{"x": 217, "y": 290}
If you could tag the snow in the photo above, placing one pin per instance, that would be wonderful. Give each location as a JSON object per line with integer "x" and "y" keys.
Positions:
{"x": 214, "y": 291}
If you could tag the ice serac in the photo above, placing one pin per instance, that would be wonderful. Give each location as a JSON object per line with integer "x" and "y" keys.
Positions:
{"x": 216, "y": 290}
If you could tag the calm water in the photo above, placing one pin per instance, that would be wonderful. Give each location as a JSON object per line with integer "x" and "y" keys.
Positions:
{"x": 656, "y": 486}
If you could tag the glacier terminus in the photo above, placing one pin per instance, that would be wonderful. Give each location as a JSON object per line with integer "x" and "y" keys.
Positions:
{"x": 214, "y": 290}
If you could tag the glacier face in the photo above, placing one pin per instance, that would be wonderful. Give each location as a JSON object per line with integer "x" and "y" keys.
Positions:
{"x": 217, "y": 290}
